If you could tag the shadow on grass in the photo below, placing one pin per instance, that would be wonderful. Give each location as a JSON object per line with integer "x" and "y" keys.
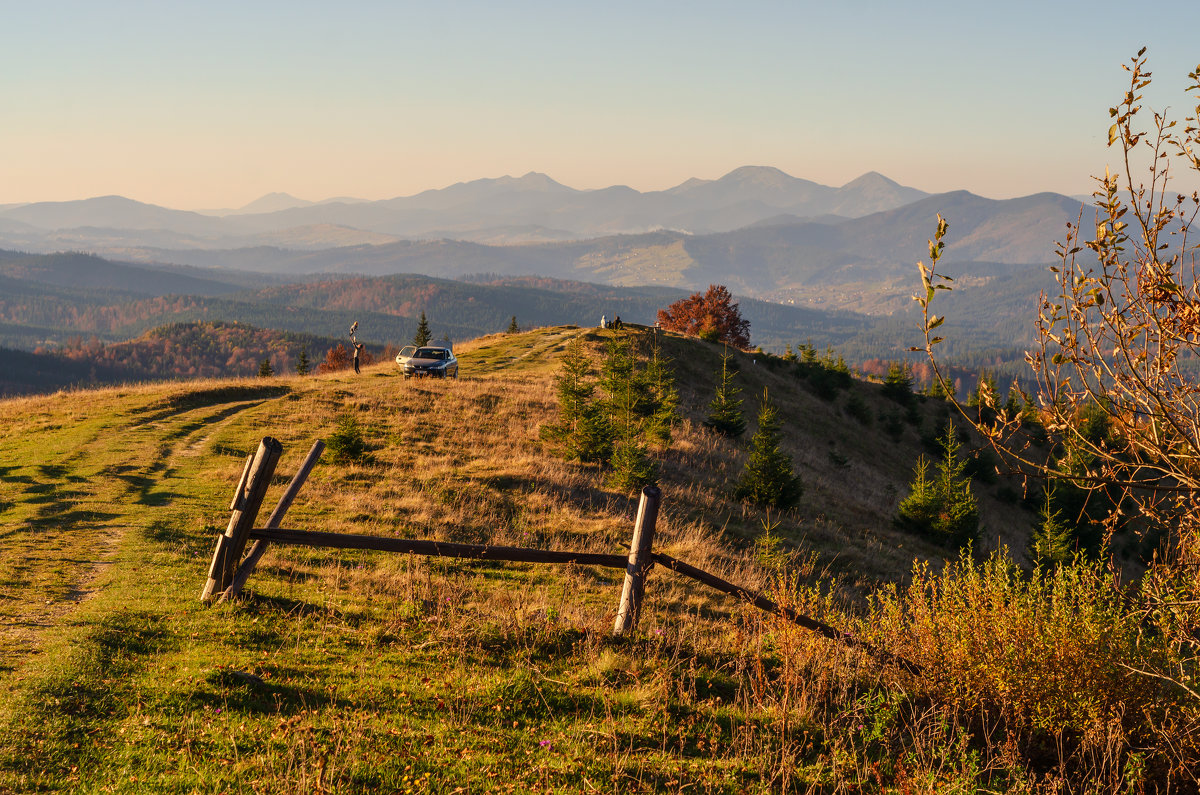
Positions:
{"x": 60, "y": 472}
{"x": 142, "y": 487}
{"x": 7, "y": 476}
{"x": 257, "y": 604}
{"x": 210, "y": 397}
{"x": 240, "y": 691}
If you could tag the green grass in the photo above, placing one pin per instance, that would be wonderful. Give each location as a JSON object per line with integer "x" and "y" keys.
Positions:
{"x": 367, "y": 672}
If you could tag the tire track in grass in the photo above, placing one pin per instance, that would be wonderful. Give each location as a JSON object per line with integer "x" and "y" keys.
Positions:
{"x": 69, "y": 491}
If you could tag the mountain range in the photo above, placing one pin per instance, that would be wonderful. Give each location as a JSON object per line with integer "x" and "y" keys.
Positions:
{"x": 507, "y": 209}
{"x": 831, "y": 265}
{"x": 793, "y": 240}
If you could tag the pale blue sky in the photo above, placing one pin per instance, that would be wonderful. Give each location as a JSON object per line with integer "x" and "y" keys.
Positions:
{"x": 203, "y": 105}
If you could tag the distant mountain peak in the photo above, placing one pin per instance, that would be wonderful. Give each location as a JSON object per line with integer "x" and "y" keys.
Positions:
{"x": 273, "y": 202}
{"x": 758, "y": 174}
{"x": 534, "y": 180}
{"x": 871, "y": 178}
{"x": 756, "y": 170}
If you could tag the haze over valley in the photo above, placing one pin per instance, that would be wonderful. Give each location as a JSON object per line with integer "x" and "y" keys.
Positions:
{"x": 829, "y": 265}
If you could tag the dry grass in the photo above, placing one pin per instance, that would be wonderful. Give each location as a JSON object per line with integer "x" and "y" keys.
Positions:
{"x": 365, "y": 672}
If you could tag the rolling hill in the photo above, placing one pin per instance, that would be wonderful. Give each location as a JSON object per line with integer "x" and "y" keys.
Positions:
{"x": 826, "y": 263}
{"x": 178, "y": 351}
{"x": 364, "y": 671}
{"x": 65, "y": 300}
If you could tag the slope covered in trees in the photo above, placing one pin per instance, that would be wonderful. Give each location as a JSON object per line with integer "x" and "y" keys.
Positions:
{"x": 178, "y": 351}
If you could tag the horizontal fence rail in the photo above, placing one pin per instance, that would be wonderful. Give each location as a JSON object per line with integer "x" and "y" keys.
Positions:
{"x": 229, "y": 571}
{"x": 441, "y": 549}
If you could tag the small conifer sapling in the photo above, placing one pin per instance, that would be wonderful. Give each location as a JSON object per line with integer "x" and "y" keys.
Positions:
{"x": 768, "y": 480}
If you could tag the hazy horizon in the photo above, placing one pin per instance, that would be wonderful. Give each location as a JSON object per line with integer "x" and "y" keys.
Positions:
{"x": 346, "y": 197}
{"x": 214, "y": 106}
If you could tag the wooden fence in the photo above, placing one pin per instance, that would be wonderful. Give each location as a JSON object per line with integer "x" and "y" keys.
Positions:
{"x": 230, "y": 568}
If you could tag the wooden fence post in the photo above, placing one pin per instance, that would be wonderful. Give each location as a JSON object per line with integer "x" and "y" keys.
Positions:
{"x": 640, "y": 560}
{"x": 285, "y": 502}
{"x": 249, "y": 498}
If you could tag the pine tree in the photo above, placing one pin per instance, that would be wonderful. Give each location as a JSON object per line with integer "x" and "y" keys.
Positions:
{"x": 898, "y": 383}
{"x": 574, "y": 386}
{"x": 592, "y": 440}
{"x": 265, "y": 370}
{"x": 583, "y": 428}
{"x": 302, "y": 364}
{"x": 632, "y": 466}
{"x": 1051, "y": 541}
{"x": 346, "y": 442}
{"x": 768, "y": 480}
{"x": 919, "y": 510}
{"x": 513, "y": 328}
{"x": 1014, "y": 402}
{"x": 664, "y": 397}
{"x": 725, "y": 411}
{"x": 423, "y": 335}
{"x": 938, "y": 388}
{"x": 623, "y": 383}
{"x": 943, "y": 509}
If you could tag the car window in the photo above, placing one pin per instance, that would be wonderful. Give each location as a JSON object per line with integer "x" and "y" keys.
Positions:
{"x": 408, "y": 350}
{"x": 431, "y": 353}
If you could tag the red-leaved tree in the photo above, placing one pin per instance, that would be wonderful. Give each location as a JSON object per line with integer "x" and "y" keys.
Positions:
{"x": 338, "y": 358}
{"x": 713, "y": 316}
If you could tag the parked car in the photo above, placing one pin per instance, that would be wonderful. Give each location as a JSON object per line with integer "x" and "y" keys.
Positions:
{"x": 431, "y": 361}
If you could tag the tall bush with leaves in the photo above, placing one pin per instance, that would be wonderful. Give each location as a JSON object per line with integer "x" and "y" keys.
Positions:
{"x": 337, "y": 358}
{"x": 713, "y": 315}
{"x": 1119, "y": 334}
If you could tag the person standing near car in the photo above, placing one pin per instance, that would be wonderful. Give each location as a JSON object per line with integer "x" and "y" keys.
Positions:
{"x": 358, "y": 346}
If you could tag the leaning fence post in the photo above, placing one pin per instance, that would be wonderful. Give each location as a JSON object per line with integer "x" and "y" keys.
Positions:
{"x": 248, "y": 499}
{"x": 285, "y": 502}
{"x": 640, "y": 560}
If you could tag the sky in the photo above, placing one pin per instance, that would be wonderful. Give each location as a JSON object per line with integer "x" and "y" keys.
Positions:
{"x": 211, "y": 105}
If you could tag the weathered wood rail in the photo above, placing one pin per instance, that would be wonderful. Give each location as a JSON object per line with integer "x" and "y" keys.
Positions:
{"x": 229, "y": 570}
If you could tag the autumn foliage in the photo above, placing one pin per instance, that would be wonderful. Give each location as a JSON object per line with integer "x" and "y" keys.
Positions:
{"x": 713, "y": 315}
{"x": 338, "y": 358}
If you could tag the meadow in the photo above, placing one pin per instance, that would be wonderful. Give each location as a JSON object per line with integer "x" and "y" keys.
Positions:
{"x": 365, "y": 672}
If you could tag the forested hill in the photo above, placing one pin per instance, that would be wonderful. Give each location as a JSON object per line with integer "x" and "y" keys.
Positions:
{"x": 208, "y": 349}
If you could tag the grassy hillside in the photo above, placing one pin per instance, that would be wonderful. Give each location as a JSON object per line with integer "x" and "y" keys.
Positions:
{"x": 178, "y": 351}
{"x": 364, "y": 672}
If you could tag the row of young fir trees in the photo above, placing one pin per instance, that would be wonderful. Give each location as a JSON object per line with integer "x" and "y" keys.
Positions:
{"x": 618, "y": 413}
{"x": 614, "y": 414}
{"x": 940, "y": 504}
